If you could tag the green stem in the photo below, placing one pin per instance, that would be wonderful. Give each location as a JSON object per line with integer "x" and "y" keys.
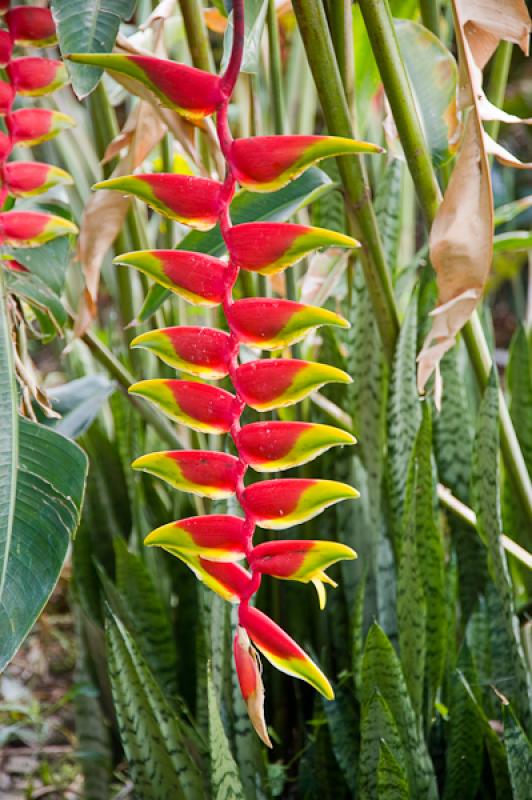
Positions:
{"x": 430, "y": 14}
{"x": 197, "y": 38}
{"x": 385, "y": 47}
{"x": 497, "y": 83}
{"x": 276, "y": 73}
{"x": 320, "y": 53}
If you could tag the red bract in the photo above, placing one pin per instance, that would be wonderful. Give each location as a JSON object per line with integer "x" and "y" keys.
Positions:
{"x": 32, "y": 126}
{"x": 211, "y": 548}
{"x": 36, "y": 76}
{"x": 196, "y": 277}
{"x": 31, "y": 228}
{"x": 7, "y": 93}
{"x": 25, "y": 178}
{"x": 6, "y": 48}
{"x": 30, "y": 25}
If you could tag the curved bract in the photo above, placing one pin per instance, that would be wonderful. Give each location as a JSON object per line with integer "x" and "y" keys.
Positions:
{"x": 211, "y": 545}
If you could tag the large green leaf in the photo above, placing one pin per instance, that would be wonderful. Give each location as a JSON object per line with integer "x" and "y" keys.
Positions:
{"x": 48, "y": 262}
{"x": 89, "y": 27}
{"x": 519, "y": 752}
{"x": 433, "y": 77}
{"x": 248, "y": 207}
{"x": 486, "y": 488}
{"x": 378, "y": 726}
{"x": 254, "y": 17}
{"x": 391, "y": 777}
{"x": 50, "y": 486}
{"x": 225, "y": 779}
{"x": 79, "y": 402}
{"x": 381, "y": 671}
{"x": 342, "y": 720}
{"x": 404, "y": 415}
{"x": 159, "y": 762}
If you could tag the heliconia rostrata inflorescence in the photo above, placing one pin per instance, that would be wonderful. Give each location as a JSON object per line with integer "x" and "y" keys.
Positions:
{"x": 28, "y": 76}
{"x": 212, "y": 546}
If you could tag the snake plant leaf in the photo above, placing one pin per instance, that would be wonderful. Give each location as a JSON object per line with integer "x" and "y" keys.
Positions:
{"x": 34, "y": 77}
{"x": 86, "y": 28}
{"x": 32, "y": 228}
{"x": 200, "y": 279}
{"x": 216, "y": 537}
{"x": 275, "y": 383}
{"x": 225, "y": 778}
{"x": 279, "y": 504}
{"x": 281, "y": 650}
{"x": 32, "y": 126}
{"x": 30, "y": 178}
{"x": 201, "y": 472}
{"x": 203, "y": 352}
{"x": 50, "y": 484}
{"x": 392, "y": 783}
{"x": 270, "y": 446}
{"x": 304, "y": 561}
{"x": 157, "y": 751}
{"x": 31, "y": 26}
{"x": 191, "y": 92}
{"x": 519, "y": 752}
{"x": 200, "y": 406}
{"x": 377, "y": 726}
{"x": 250, "y": 680}
{"x": 272, "y": 324}
{"x": 267, "y": 163}
{"x": 185, "y": 198}
{"x": 271, "y": 247}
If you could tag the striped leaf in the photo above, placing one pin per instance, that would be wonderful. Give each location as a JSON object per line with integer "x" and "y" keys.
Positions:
{"x": 392, "y": 783}
{"x": 453, "y": 443}
{"x": 378, "y": 726}
{"x": 464, "y": 751}
{"x": 487, "y": 506}
{"x": 159, "y": 762}
{"x": 404, "y": 414}
{"x": 225, "y": 778}
{"x": 519, "y": 752}
{"x": 342, "y": 720}
{"x": 381, "y": 671}
{"x": 411, "y": 601}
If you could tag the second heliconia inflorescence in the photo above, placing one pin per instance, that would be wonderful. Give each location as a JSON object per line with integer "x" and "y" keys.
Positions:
{"x": 213, "y": 546}
{"x": 26, "y": 77}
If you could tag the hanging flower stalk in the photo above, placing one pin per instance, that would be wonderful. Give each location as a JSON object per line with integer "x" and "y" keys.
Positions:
{"x": 28, "y": 26}
{"x": 212, "y": 546}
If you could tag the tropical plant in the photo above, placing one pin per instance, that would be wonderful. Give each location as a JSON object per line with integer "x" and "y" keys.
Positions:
{"x": 392, "y": 334}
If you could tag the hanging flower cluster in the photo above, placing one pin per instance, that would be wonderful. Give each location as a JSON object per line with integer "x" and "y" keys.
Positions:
{"x": 212, "y": 546}
{"x": 28, "y": 76}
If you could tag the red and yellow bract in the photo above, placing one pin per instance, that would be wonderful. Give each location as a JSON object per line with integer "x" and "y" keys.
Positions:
{"x": 210, "y": 546}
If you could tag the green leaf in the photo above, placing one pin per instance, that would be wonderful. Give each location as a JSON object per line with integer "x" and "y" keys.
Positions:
{"x": 159, "y": 762}
{"x": 378, "y": 726}
{"x": 404, "y": 415}
{"x": 430, "y": 558}
{"x": 509, "y": 211}
{"x": 486, "y": 488}
{"x": 247, "y": 207}
{"x": 411, "y": 603}
{"x": 519, "y": 752}
{"x": 79, "y": 402}
{"x": 254, "y": 17}
{"x": 453, "y": 446}
{"x": 9, "y": 447}
{"x": 388, "y": 210}
{"x": 50, "y": 486}
{"x": 89, "y": 27}
{"x": 149, "y": 618}
{"x": 225, "y": 779}
{"x": 342, "y": 720}
{"x": 381, "y": 671}
{"x": 433, "y": 77}
{"x": 49, "y": 262}
{"x": 464, "y": 752}
{"x": 31, "y": 289}
{"x": 391, "y": 778}
{"x": 520, "y": 241}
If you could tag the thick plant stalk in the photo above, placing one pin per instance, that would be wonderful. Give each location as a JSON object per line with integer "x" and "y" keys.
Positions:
{"x": 211, "y": 545}
{"x": 29, "y": 76}
{"x": 318, "y": 45}
{"x": 384, "y": 43}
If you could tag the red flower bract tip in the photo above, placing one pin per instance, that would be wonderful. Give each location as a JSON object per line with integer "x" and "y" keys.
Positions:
{"x": 31, "y": 25}
{"x": 249, "y": 674}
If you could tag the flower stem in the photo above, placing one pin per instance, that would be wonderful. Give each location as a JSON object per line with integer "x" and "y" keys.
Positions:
{"x": 430, "y": 14}
{"x": 497, "y": 83}
{"x": 385, "y": 47}
{"x": 197, "y": 38}
{"x": 320, "y": 53}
